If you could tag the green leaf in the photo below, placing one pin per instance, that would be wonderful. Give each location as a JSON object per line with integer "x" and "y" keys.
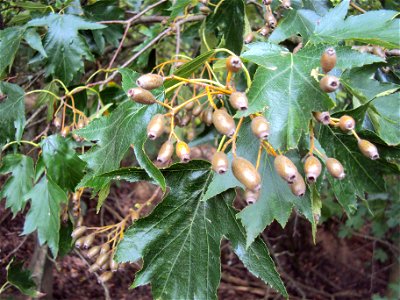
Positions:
{"x": 12, "y": 112}
{"x": 114, "y": 134}
{"x": 105, "y": 10}
{"x": 44, "y": 213}
{"x": 19, "y": 183}
{"x": 383, "y": 111}
{"x": 48, "y": 99}
{"x": 284, "y": 88}
{"x": 378, "y": 27}
{"x": 65, "y": 48}
{"x": 297, "y": 21}
{"x": 10, "y": 39}
{"x": 228, "y": 17}
{"x": 62, "y": 163}
{"x": 21, "y": 278}
{"x": 188, "y": 68}
{"x": 34, "y": 41}
{"x": 189, "y": 231}
{"x": 65, "y": 244}
{"x": 276, "y": 200}
{"x": 179, "y": 7}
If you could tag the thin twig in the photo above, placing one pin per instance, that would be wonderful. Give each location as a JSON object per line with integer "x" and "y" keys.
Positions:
{"x": 35, "y": 114}
{"x": 356, "y": 7}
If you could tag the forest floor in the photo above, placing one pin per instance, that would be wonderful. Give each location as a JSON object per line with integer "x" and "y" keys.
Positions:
{"x": 333, "y": 268}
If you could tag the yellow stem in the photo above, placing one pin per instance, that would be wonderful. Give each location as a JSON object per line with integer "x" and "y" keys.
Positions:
{"x": 259, "y": 156}
{"x": 221, "y": 143}
{"x": 356, "y": 135}
{"x": 235, "y": 136}
{"x": 17, "y": 142}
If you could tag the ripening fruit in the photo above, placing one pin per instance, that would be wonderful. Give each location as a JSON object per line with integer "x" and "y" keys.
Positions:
{"x": 79, "y": 242}
{"x": 238, "y": 100}
{"x": 65, "y": 131}
{"x": 57, "y": 122}
{"x": 105, "y": 248}
{"x": 265, "y": 30}
{"x": 94, "y": 268}
{"x": 113, "y": 265}
{"x": 285, "y": 168}
{"x": 102, "y": 259}
{"x": 106, "y": 276}
{"x": 286, "y": 4}
{"x": 207, "y": 116}
{"x": 190, "y": 105}
{"x": 205, "y": 10}
{"x": 249, "y": 38}
{"x": 233, "y": 64}
{"x": 270, "y": 19}
{"x": 183, "y": 151}
{"x": 260, "y": 127}
{"x": 347, "y": 123}
{"x": 267, "y": 2}
{"x": 141, "y": 96}
{"x": 312, "y": 168}
{"x": 88, "y": 240}
{"x": 223, "y": 122}
{"x": 155, "y": 128}
{"x": 220, "y": 162}
{"x": 81, "y": 124}
{"x": 323, "y": 117}
{"x": 197, "y": 110}
{"x": 78, "y": 232}
{"x": 328, "y": 60}
{"x": 368, "y": 149}
{"x": 329, "y": 83}
{"x": 246, "y": 173}
{"x": 150, "y": 81}
{"x": 165, "y": 153}
{"x": 298, "y": 187}
{"x": 251, "y": 196}
{"x": 335, "y": 168}
{"x": 92, "y": 252}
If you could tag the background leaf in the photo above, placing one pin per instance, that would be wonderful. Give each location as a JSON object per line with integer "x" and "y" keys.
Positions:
{"x": 10, "y": 39}
{"x": 21, "y": 278}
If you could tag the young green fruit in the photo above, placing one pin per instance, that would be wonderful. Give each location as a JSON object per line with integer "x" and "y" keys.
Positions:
{"x": 329, "y": 83}
{"x": 183, "y": 151}
{"x": 347, "y": 123}
{"x": 328, "y": 60}
{"x": 165, "y": 153}
{"x": 285, "y": 168}
{"x": 239, "y": 100}
{"x": 233, "y": 64}
{"x": 323, "y": 117}
{"x": 220, "y": 163}
{"x": 150, "y": 81}
{"x": 335, "y": 168}
{"x": 260, "y": 127}
{"x": 223, "y": 122}
{"x": 141, "y": 95}
{"x": 251, "y": 196}
{"x": 368, "y": 149}
{"x": 312, "y": 168}
{"x": 246, "y": 173}
{"x": 155, "y": 128}
{"x": 298, "y": 187}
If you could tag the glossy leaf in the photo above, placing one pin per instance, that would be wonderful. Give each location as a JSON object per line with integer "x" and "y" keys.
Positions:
{"x": 383, "y": 111}
{"x": 228, "y": 17}
{"x": 20, "y": 181}
{"x": 44, "y": 213}
{"x": 114, "y": 134}
{"x": 65, "y": 48}
{"x": 380, "y": 27}
{"x": 276, "y": 200}
{"x": 189, "y": 230}
{"x": 285, "y": 90}
{"x": 10, "y": 39}
{"x": 62, "y": 163}
{"x": 21, "y": 278}
{"x": 12, "y": 112}
{"x": 34, "y": 41}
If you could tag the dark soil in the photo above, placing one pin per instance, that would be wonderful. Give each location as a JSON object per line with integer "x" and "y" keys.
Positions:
{"x": 334, "y": 268}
